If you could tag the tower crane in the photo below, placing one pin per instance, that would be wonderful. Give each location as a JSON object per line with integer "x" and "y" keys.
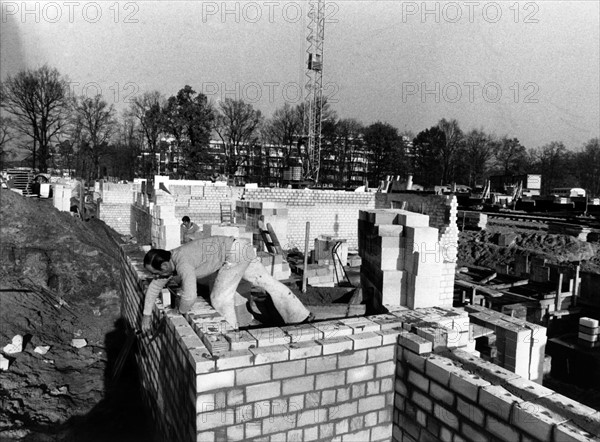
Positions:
{"x": 313, "y": 88}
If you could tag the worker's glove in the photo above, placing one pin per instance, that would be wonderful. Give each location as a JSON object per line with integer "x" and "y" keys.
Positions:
{"x": 146, "y": 323}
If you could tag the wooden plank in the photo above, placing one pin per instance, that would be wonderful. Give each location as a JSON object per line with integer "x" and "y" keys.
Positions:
{"x": 488, "y": 278}
{"x": 508, "y": 284}
{"x": 479, "y": 288}
{"x": 275, "y": 240}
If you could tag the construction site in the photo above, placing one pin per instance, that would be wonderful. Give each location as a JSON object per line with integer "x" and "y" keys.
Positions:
{"x": 422, "y": 331}
{"x": 435, "y": 315}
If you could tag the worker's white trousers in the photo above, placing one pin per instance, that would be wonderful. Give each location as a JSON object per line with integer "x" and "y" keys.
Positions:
{"x": 241, "y": 262}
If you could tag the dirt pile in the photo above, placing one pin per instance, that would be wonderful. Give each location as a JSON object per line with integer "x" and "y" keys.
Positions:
{"x": 58, "y": 282}
{"x": 481, "y": 248}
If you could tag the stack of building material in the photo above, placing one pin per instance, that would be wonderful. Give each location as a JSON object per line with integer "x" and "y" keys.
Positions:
{"x": 403, "y": 261}
{"x": 323, "y": 249}
{"x": 318, "y": 275}
{"x": 589, "y": 331}
{"x": 472, "y": 220}
{"x": 252, "y": 213}
{"x": 275, "y": 264}
{"x": 382, "y": 267}
{"x": 520, "y": 344}
{"x": 62, "y": 197}
{"x": 354, "y": 259}
{"x": 165, "y": 232}
{"x": 579, "y": 232}
{"x": 237, "y": 231}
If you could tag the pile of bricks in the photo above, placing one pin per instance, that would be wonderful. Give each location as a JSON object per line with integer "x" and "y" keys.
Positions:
{"x": 237, "y": 231}
{"x": 252, "y": 213}
{"x": 402, "y": 259}
{"x": 579, "y": 232}
{"x": 165, "y": 232}
{"x": 589, "y": 331}
{"x": 318, "y": 275}
{"x": 520, "y": 344}
{"x": 324, "y": 246}
{"x": 472, "y": 220}
{"x": 275, "y": 265}
{"x": 61, "y": 198}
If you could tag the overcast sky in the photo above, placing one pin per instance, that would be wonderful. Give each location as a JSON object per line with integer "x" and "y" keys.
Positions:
{"x": 529, "y": 70}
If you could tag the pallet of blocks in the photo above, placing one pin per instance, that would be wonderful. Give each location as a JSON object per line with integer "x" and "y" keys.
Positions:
{"x": 589, "y": 331}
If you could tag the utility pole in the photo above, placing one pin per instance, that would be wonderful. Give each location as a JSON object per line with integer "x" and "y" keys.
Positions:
{"x": 314, "y": 87}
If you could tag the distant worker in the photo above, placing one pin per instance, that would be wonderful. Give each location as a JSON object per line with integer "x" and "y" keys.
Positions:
{"x": 232, "y": 259}
{"x": 189, "y": 230}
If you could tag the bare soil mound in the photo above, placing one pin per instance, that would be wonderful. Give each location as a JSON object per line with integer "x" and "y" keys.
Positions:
{"x": 59, "y": 281}
{"x": 481, "y": 248}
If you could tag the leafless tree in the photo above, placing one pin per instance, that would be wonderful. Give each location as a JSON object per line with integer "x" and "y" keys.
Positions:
{"x": 237, "y": 124}
{"x": 284, "y": 128}
{"x": 97, "y": 120}
{"x": 38, "y": 101}
{"x": 453, "y": 139}
{"x": 147, "y": 110}
{"x": 478, "y": 153}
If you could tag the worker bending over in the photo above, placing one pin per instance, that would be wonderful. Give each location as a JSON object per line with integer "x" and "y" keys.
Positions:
{"x": 232, "y": 259}
{"x": 189, "y": 230}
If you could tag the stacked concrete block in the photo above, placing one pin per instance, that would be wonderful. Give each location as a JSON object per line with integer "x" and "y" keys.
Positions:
{"x": 520, "y": 344}
{"x": 275, "y": 264}
{"x": 62, "y": 197}
{"x": 383, "y": 257}
{"x": 255, "y": 213}
{"x": 589, "y": 332}
{"x": 403, "y": 259}
{"x": 237, "y": 231}
{"x": 472, "y": 220}
{"x": 318, "y": 275}
{"x": 166, "y": 233}
{"x": 324, "y": 245}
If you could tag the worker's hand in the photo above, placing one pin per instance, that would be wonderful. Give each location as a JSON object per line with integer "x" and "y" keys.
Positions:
{"x": 146, "y": 323}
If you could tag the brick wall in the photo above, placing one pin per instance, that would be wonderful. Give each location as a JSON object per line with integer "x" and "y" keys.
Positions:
{"x": 456, "y": 396}
{"x": 114, "y": 205}
{"x": 166, "y": 365}
{"x": 141, "y": 224}
{"x": 202, "y": 201}
{"x": 202, "y": 381}
{"x": 329, "y": 212}
{"x": 409, "y": 375}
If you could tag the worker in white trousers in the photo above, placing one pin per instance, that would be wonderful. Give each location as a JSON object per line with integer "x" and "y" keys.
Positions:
{"x": 233, "y": 259}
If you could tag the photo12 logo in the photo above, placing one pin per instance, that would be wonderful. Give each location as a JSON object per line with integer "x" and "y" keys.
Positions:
{"x": 271, "y": 91}
{"x": 115, "y": 93}
{"x": 270, "y": 12}
{"x": 70, "y": 12}
{"x": 469, "y": 91}
{"x": 462, "y": 12}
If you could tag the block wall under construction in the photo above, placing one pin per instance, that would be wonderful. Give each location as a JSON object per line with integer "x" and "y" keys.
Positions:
{"x": 406, "y": 375}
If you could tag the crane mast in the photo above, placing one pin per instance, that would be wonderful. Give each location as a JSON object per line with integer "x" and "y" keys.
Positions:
{"x": 313, "y": 98}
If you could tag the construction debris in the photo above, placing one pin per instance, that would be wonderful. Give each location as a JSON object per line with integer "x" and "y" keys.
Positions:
{"x": 78, "y": 343}
{"x": 15, "y": 347}
{"x": 42, "y": 349}
{"x": 4, "y": 363}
